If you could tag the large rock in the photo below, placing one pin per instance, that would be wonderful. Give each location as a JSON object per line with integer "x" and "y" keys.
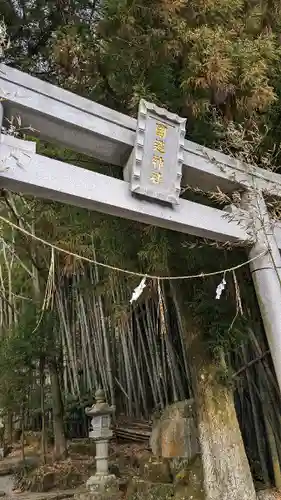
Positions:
{"x": 174, "y": 433}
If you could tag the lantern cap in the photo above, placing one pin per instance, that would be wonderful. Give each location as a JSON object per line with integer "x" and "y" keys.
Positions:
{"x": 100, "y": 407}
{"x": 100, "y": 396}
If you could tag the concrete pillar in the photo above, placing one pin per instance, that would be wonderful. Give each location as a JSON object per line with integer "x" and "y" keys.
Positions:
{"x": 2, "y": 426}
{"x": 1, "y": 117}
{"x": 266, "y": 273}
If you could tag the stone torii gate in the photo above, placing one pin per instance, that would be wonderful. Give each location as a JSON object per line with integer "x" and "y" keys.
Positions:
{"x": 156, "y": 159}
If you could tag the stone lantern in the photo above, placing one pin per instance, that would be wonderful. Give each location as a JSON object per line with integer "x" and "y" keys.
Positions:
{"x": 101, "y": 432}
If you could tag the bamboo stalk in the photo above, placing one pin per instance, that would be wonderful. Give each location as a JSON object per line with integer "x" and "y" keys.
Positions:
{"x": 155, "y": 365}
{"x": 64, "y": 330}
{"x": 147, "y": 364}
{"x": 258, "y": 432}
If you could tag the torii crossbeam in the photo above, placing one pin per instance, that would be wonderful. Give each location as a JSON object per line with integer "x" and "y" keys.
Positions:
{"x": 108, "y": 136}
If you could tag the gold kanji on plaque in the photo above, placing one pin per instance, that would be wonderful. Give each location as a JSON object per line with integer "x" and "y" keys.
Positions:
{"x": 159, "y": 146}
{"x": 156, "y": 177}
{"x": 161, "y": 130}
{"x": 157, "y": 162}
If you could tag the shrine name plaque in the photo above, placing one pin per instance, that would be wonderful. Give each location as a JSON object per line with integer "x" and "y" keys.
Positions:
{"x": 157, "y": 158}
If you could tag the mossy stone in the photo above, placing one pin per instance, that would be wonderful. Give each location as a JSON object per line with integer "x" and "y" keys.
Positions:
{"x": 145, "y": 490}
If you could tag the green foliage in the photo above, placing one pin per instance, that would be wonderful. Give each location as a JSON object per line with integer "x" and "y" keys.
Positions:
{"x": 20, "y": 352}
{"x": 215, "y": 62}
{"x": 222, "y": 333}
{"x": 205, "y": 59}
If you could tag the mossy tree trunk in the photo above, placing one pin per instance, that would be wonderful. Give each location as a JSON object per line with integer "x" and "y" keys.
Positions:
{"x": 227, "y": 474}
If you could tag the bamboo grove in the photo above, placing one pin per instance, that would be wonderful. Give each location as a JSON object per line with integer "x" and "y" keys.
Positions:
{"x": 137, "y": 354}
{"x": 66, "y": 326}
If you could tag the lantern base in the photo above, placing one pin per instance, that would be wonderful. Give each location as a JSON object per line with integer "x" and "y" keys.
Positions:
{"x": 101, "y": 487}
{"x": 107, "y": 494}
{"x": 104, "y": 495}
{"x": 100, "y": 482}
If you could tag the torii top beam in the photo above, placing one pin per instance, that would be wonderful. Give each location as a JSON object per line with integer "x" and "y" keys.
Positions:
{"x": 92, "y": 129}
{"x": 109, "y": 136}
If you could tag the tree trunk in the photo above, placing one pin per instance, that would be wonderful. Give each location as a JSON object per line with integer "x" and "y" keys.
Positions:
{"x": 42, "y": 404}
{"x": 60, "y": 448}
{"x": 9, "y": 428}
{"x": 226, "y": 470}
{"x": 22, "y": 434}
{"x": 227, "y": 474}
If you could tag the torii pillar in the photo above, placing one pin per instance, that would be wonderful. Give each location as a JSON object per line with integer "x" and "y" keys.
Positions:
{"x": 266, "y": 272}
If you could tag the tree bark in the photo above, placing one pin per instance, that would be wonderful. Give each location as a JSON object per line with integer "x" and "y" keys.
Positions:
{"x": 22, "y": 433}
{"x": 42, "y": 404}
{"x": 226, "y": 470}
{"x": 9, "y": 428}
{"x": 60, "y": 448}
{"x": 227, "y": 474}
